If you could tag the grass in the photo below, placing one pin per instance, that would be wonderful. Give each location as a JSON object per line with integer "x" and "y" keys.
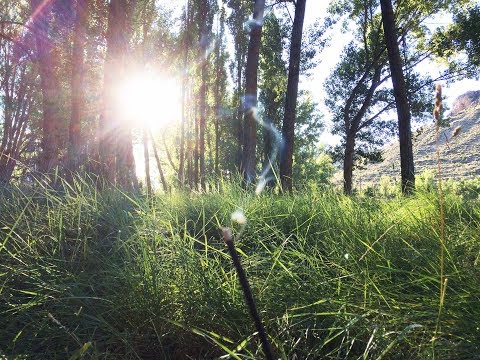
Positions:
{"x": 107, "y": 275}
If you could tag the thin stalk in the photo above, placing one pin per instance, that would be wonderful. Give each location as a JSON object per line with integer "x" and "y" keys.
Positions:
{"x": 247, "y": 292}
{"x": 443, "y": 280}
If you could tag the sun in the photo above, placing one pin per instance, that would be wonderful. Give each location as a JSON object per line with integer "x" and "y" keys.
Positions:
{"x": 149, "y": 99}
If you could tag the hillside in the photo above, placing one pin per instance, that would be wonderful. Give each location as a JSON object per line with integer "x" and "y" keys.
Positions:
{"x": 460, "y": 155}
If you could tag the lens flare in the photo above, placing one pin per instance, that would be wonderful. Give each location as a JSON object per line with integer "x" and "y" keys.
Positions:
{"x": 149, "y": 100}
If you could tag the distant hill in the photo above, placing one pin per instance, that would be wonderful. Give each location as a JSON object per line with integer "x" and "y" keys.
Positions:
{"x": 460, "y": 155}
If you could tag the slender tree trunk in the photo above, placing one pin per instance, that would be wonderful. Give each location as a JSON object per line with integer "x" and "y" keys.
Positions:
{"x": 190, "y": 138}
{"x": 181, "y": 160}
{"x": 401, "y": 98}
{"x": 267, "y": 135}
{"x": 78, "y": 94}
{"x": 288, "y": 128}
{"x": 146, "y": 157}
{"x": 186, "y": 43}
{"x": 146, "y": 154}
{"x": 126, "y": 169}
{"x": 348, "y": 163}
{"x": 48, "y": 83}
{"x": 159, "y": 165}
{"x": 197, "y": 148}
{"x": 217, "y": 105}
{"x": 250, "y": 101}
{"x": 217, "y": 130}
{"x": 239, "y": 123}
{"x": 269, "y": 143}
{"x": 202, "y": 124}
{"x": 169, "y": 156}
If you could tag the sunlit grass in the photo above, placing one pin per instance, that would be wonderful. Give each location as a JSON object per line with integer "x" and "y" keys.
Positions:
{"x": 334, "y": 277}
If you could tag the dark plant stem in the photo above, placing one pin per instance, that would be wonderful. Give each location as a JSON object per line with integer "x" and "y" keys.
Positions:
{"x": 247, "y": 292}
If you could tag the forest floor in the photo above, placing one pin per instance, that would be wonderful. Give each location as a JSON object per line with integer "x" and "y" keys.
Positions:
{"x": 90, "y": 274}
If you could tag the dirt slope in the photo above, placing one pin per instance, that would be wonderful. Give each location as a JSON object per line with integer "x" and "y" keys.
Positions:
{"x": 460, "y": 155}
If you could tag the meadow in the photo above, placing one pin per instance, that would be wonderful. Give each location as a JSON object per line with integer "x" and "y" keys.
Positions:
{"x": 107, "y": 274}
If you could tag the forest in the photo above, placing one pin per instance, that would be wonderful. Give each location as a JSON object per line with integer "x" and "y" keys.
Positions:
{"x": 166, "y": 190}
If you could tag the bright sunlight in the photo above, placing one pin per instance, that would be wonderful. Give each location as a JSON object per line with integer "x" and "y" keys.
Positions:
{"x": 147, "y": 98}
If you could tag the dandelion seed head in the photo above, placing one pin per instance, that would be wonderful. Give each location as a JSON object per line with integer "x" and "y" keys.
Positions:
{"x": 239, "y": 217}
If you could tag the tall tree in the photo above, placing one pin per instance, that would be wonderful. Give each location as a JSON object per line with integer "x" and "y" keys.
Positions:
{"x": 49, "y": 84}
{"x": 357, "y": 95}
{"x": 204, "y": 32}
{"x": 17, "y": 90}
{"x": 115, "y": 140}
{"x": 288, "y": 128}
{"x": 78, "y": 91}
{"x": 250, "y": 100}
{"x": 219, "y": 92}
{"x": 185, "y": 48}
{"x": 401, "y": 99}
{"x": 273, "y": 85}
{"x": 236, "y": 22}
{"x": 312, "y": 165}
{"x": 113, "y": 65}
{"x": 356, "y": 104}
{"x": 147, "y": 18}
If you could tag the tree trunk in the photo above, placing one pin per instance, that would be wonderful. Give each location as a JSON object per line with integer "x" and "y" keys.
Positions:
{"x": 288, "y": 128}
{"x": 348, "y": 163}
{"x": 190, "y": 138}
{"x": 159, "y": 165}
{"x": 78, "y": 97}
{"x": 197, "y": 148}
{"x": 239, "y": 125}
{"x": 126, "y": 175}
{"x": 49, "y": 84}
{"x": 115, "y": 138}
{"x": 269, "y": 151}
{"x": 146, "y": 157}
{"x": 217, "y": 95}
{"x": 113, "y": 70}
{"x": 250, "y": 101}
{"x": 202, "y": 124}
{"x": 181, "y": 166}
{"x": 401, "y": 98}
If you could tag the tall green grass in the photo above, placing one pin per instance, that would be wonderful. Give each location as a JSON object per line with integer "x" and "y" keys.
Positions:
{"x": 105, "y": 274}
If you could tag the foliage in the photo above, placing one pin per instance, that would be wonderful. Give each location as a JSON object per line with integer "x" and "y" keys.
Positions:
{"x": 461, "y": 37}
{"x": 311, "y": 164}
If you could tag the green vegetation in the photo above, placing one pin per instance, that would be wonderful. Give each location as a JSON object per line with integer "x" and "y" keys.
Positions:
{"x": 93, "y": 274}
